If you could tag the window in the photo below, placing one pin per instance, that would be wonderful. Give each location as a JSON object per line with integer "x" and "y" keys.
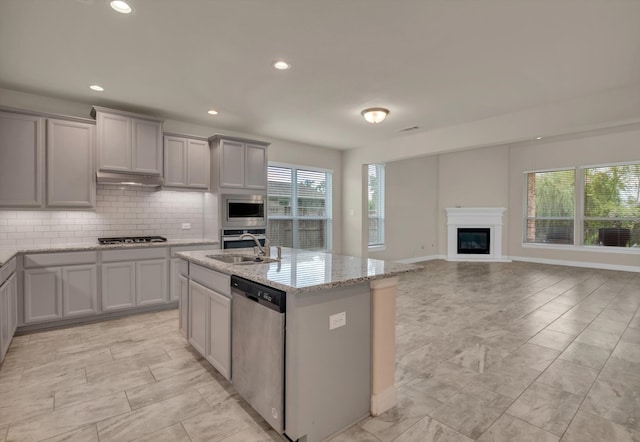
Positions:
{"x": 376, "y": 204}
{"x": 550, "y": 207}
{"x": 299, "y": 207}
{"x": 612, "y": 205}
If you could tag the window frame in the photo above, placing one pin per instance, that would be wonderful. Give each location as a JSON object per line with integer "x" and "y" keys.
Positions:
{"x": 579, "y": 215}
{"x": 380, "y": 204}
{"x": 294, "y": 217}
{"x": 525, "y": 215}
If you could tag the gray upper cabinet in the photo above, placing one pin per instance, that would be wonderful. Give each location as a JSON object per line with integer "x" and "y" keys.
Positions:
{"x": 186, "y": 162}
{"x": 128, "y": 142}
{"x": 70, "y": 164}
{"x": 21, "y": 160}
{"x": 238, "y": 164}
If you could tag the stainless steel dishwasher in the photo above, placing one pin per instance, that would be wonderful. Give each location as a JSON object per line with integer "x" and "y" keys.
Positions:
{"x": 257, "y": 347}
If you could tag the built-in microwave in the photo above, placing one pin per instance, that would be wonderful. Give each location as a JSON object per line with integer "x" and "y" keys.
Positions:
{"x": 243, "y": 211}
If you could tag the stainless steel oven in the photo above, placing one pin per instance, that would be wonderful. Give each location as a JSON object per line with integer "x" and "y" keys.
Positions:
{"x": 243, "y": 211}
{"x": 231, "y": 238}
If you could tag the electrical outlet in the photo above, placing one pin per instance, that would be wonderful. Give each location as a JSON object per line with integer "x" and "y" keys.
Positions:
{"x": 337, "y": 320}
{"x": 186, "y": 226}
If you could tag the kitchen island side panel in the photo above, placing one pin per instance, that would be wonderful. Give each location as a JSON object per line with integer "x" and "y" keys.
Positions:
{"x": 328, "y": 372}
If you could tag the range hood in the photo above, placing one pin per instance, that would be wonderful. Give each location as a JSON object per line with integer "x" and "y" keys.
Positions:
{"x": 129, "y": 179}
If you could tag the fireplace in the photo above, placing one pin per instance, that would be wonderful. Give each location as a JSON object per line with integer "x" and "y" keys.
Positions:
{"x": 474, "y": 241}
{"x": 475, "y": 234}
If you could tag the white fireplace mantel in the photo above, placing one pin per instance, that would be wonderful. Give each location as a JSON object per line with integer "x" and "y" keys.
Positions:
{"x": 478, "y": 217}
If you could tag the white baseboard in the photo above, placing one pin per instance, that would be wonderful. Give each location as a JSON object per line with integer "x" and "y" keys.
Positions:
{"x": 421, "y": 258}
{"x": 589, "y": 265}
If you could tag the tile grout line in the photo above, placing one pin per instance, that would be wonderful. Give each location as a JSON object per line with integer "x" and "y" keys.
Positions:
{"x": 541, "y": 373}
{"x": 603, "y": 365}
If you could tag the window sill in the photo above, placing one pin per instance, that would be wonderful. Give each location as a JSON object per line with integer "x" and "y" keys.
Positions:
{"x": 377, "y": 248}
{"x": 596, "y": 249}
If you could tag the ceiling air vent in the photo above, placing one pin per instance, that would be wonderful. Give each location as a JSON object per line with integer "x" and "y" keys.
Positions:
{"x": 409, "y": 129}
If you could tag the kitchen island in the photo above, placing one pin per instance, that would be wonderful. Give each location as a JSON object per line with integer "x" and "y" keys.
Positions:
{"x": 339, "y": 336}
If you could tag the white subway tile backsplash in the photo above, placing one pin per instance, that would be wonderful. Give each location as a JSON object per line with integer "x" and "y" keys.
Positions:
{"x": 118, "y": 213}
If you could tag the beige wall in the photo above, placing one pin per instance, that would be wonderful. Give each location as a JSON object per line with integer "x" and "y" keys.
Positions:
{"x": 411, "y": 209}
{"x": 473, "y": 178}
{"x": 279, "y": 151}
{"x": 610, "y": 146}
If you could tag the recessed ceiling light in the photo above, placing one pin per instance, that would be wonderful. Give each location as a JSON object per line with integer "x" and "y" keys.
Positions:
{"x": 538, "y": 138}
{"x": 95, "y": 87}
{"x": 121, "y": 6}
{"x": 281, "y": 65}
{"x": 212, "y": 112}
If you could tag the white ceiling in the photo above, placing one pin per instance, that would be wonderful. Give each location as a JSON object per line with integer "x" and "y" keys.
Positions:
{"x": 432, "y": 63}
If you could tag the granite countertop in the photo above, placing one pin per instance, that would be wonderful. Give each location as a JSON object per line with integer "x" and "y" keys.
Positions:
{"x": 302, "y": 271}
{"x": 6, "y": 253}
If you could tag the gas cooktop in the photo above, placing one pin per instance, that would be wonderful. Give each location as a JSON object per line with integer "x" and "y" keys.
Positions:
{"x": 132, "y": 240}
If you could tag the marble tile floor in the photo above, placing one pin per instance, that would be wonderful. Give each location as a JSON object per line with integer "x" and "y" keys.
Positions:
{"x": 488, "y": 352}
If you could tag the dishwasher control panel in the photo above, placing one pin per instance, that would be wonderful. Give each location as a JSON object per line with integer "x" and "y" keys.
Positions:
{"x": 268, "y": 296}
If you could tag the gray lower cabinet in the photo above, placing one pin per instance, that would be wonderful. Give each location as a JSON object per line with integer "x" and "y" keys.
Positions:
{"x": 70, "y": 164}
{"x": 21, "y": 160}
{"x": 52, "y": 293}
{"x": 79, "y": 290}
{"x": 118, "y": 285}
{"x": 134, "y": 278}
{"x": 8, "y": 313}
{"x": 133, "y": 283}
{"x": 42, "y": 294}
{"x": 184, "y": 306}
{"x": 151, "y": 282}
{"x": 209, "y": 319}
{"x": 219, "y": 343}
{"x": 198, "y": 312}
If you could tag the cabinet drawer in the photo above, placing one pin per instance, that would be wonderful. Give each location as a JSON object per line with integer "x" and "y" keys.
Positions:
{"x": 7, "y": 269}
{"x": 59, "y": 259}
{"x": 134, "y": 254}
{"x": 211, "y": 279}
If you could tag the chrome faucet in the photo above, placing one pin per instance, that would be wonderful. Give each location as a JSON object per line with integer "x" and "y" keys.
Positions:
{"x": 266, "y": 250}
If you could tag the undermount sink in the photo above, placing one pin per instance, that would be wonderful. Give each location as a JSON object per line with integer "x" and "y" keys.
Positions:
{"x": 241, "y": 259}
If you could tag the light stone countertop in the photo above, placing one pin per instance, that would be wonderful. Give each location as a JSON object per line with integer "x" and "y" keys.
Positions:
{"x": 302, "y": 271}
{"x": 6, "y": 253}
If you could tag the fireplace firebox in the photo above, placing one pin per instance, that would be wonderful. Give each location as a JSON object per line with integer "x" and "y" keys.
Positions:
{"x": 474, "y": 241}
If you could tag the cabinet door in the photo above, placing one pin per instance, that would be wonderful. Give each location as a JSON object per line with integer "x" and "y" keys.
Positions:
{"x": 70, "y": 171}
{"x": 79, "y": 290}
{"x": 42, "y": 294}
{"x": 255, "y": 167}
{"x": 197, "y": 164}
{"x": 4, "y": 319}
{"x": 114, "y": 142}
{"x": 13, "y": 304}
{"x": 175, "y": 166}
{"x": 147, "y": 147}
{"x": 118, "y": 285}
{"x": 21, "y": 160}
{"x": 151, "y": 282}
{"x": 198, "y": 313}
{"x": 219, "y": 345}
{"x": 184, "y": 305}
{"x": 231, "y": 164}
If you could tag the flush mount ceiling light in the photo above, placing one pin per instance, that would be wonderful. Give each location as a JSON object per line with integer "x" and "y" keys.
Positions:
{"x": 95, "y": 87}
{"x": 212, "y": 112}
{"x": 121, "y": 6}
{"x": 375, "y": 115}
{"x": 281, "y": 65}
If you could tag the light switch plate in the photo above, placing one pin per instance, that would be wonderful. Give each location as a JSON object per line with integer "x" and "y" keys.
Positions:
{"x": 186, "y": 226}
{"x": 337, "y": 320}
